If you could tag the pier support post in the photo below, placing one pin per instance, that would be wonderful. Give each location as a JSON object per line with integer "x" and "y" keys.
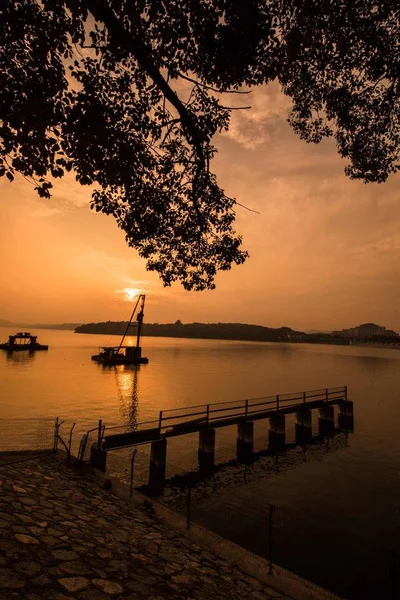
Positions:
{"x": 206, "y": 448}
{"x": 244, "y": 444}
{"x": 277, "y": 433}
{"x": 158, "y": 462}
{"x": 303, "y": 427}
{"x": 98, "y": 458}
{"x": 346, "y": 415}
{"x": 326, "y": 420}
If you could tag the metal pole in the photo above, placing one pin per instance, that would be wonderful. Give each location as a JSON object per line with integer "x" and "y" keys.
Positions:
{"x": 55, "y": 444}
{"x": 277, "y": 402}
{"x": 132, "y": 465}
{"x": 70, "y": 442}
{"x": 188, "y": 507}
{"x": 345, "y": 392}
{"x": 271, "y": 512}
{"x": 160, "y": 421}
{"x": 208, "y": 413}
{"x": 99, "y": 434}
{"x": 140, "y": 321}
{"x": 326, "y": 394}
{"x": 246, "y": 408}
{"x": 304, "y": 397}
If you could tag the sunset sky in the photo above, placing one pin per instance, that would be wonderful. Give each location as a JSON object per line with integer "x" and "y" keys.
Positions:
{"x": 324, "y": 250}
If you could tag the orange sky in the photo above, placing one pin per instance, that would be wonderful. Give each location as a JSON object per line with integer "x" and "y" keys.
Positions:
{"x": 324, "y": 252}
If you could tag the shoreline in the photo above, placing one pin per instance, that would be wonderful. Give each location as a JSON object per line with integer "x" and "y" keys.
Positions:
{"x": 69, "y": 531}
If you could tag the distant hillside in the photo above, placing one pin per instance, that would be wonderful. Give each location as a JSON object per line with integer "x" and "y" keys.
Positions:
{"x": 66, "y": 326}
{"x": 220, "y": 331}
{"x": 31, "y": 326}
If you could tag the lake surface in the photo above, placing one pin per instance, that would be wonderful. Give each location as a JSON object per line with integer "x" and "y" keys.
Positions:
{"x": 337, "y": 513}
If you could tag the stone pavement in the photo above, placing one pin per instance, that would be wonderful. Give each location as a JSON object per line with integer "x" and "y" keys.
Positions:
{"x": 63, "y": 537}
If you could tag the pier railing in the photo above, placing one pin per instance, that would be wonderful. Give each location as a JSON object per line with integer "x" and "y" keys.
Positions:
{"x": 182, "y": 420}
{"x": 251, "y": 407}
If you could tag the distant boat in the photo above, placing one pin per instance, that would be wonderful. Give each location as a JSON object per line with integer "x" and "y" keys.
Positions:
{"x": 23, "y": 341}
{"x": 126, "y": 355}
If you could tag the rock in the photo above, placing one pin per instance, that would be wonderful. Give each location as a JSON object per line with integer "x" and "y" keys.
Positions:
{"x": 19, "y": 490}
{"x": 9, "y": 580}
{"x": 75, "y": 568}
{"x": 258, "y": 596}
{"x": 26, "y": 539}
{"x": 103, "y": 553}
{"x": 19, "y": 529}
{"x": 35, "y": 530}
{"x": 28, "y": 501}
{"x": 92, "y": 595}
{"x": 28, "y": 566}
{"x": 272, "y": 592}
{"x": 182, "y": 580}
{"x": 65, "y": 554}
{"x": 42, "y": 524}
{"x": 54, "y": 532}
{"x": 74, "y": 584}
{"x": 118, "y": 565}
{"x": 41, "y": 581}
{"x": 107, "y": 586}
{"x": 49, "y": 540}
{"x": 56, "y": 571}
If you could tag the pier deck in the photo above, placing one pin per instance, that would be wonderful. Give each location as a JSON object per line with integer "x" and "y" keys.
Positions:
{"x": 181, "y": 421}
{"x": 207, "y": 418}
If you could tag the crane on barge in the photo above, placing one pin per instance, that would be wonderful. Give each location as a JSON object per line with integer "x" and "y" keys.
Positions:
{"x": 126, "y": 355}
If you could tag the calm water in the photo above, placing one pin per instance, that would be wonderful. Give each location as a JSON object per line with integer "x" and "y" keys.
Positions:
{"x": 337, "y": 517}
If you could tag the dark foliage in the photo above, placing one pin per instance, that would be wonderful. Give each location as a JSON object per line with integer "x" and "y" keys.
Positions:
{"x": 212, "y": 331}
{"x": 96, "y": 86}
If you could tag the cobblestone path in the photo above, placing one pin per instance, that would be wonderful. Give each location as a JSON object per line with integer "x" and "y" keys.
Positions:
{"x": 62, "y": 537}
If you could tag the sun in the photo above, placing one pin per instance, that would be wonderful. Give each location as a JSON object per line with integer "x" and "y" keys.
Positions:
{"x": 131, "y": 293}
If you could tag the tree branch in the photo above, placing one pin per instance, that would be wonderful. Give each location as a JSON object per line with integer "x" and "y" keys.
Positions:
{"x": 131, "y": 42}
{"x": 209, "y": 87}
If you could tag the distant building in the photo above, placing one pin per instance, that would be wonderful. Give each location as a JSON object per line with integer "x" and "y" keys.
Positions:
{"x": 366, "y": 332}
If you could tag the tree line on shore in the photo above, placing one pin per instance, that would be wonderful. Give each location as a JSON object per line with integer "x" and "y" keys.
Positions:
{"x": 227, "y": 331}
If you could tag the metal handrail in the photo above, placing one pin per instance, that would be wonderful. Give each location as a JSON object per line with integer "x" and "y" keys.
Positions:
{"x": 196, "y": 414}
{"x": 272, "y": 397}
{"x": 127, "y": 425}
{"x": 211, "y": 413}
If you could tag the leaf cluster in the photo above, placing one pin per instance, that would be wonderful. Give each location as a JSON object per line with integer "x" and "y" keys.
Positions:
{"x": 128, "y": 94}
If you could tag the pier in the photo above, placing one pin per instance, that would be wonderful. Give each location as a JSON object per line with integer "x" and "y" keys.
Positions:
{"x": 208, "y": 418}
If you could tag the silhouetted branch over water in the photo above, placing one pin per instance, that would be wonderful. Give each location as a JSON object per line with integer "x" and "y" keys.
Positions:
{"x": 130, "y": 98}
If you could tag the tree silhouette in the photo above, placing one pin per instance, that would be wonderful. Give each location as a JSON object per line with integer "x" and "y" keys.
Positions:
{"x": 130, "y": 93}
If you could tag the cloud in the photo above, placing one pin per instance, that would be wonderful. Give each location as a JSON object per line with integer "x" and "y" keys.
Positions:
{"x": 253, "y": 127}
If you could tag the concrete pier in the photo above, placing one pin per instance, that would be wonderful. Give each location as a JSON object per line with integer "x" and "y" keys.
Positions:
{"x": 158, "y": 461}
{"x": 277, "y": 432}
{"x": 245, "y": 441}
{"x": 346, "y": 415}
{"x": 206, "y": 448}
{"x": 98, "y": 458}
{"x": 326, "y": 420}
{"x": 303, "y": 427}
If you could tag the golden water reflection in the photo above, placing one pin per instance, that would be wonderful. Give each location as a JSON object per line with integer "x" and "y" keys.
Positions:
{"x": 127, "y": 379}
